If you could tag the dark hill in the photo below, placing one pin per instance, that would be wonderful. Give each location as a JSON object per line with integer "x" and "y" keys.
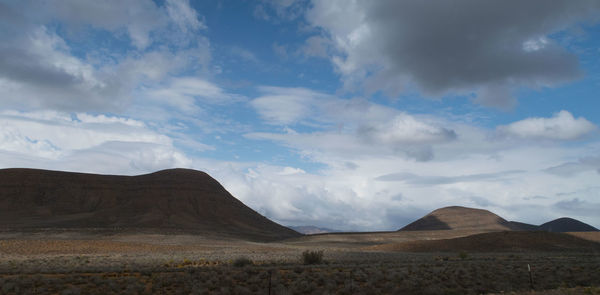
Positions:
{"x": 463, "y": 218}
{"x": 508, "y": 241}
{"x": 566, "y": 224}
{"x": 175, "y": 199}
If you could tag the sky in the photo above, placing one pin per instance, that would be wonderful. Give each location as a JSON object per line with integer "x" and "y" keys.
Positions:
{"x": 347, "y": 114}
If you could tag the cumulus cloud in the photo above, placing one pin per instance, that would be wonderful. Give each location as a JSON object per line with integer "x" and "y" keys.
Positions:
{"x": 38, "y": 67}
{"x": 561, "y": 126}
{"x": 459, "y": 47}
{"x": 340, "y": 196}
{"x": 293, "y": 197}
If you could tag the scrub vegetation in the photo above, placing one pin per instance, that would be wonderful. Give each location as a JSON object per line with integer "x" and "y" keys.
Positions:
{"x": 345, "y": 273}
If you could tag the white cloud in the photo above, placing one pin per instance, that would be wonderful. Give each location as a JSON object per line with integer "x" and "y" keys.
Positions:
{"x": 67, "y": 133}
{"x": 284, "y": 108}
{"x": 138, "y": 17}
{"x": 457, "y": 163}
{"x": 183, "y": 15}
{"x": 38, "y": 69}
{"x": 351, "y": 198}
{"x": 103, "y": 119}
{"x": 406, "y": 129}
{"x": 561, "y": 126}
{"x": 302, "y": 198}
{"x": 84, "y": 142}
{"x": 13, "y": 141}
{"x": 288, "y": 106}
{"x": 346, "y": 126}
{"x": 184, "y": 93}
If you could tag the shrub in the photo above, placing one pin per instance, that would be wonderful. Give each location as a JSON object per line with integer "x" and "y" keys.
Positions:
{"x": 242, "y": 261}
{"x": 312, "y": 257}
{"x": 463, "y": 255}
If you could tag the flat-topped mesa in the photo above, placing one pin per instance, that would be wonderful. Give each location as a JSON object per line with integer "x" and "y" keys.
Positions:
{"x": 174, "y": 199}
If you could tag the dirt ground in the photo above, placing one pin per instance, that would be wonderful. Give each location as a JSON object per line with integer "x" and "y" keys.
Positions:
{"x": 145, "y": 263}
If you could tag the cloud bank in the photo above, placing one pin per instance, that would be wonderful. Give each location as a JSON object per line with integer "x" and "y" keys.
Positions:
{"x": 464, "y": 47}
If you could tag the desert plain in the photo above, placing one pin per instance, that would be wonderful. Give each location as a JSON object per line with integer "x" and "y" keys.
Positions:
{"x": 127, "y": 262}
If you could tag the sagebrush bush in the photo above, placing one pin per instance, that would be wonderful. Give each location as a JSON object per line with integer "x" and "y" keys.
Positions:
{"x": 312, "y": 257}
{"x": 242, "y": 261}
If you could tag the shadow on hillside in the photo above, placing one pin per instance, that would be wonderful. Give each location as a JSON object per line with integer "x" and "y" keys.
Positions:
{"x": 427, "y": 223}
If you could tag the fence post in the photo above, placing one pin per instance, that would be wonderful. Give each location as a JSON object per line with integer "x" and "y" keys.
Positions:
{"x": 351, "y": 281}
{"x": 270, "y": 274}
{"x": 530, "y": 276}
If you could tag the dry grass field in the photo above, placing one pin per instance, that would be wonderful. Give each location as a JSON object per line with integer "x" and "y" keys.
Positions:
{"x": 127, "y": 263}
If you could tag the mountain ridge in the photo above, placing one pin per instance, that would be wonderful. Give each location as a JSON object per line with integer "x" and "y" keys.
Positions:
{"x": 172, "y": 199}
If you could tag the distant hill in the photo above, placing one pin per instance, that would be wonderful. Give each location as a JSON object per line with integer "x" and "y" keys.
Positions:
{"x": 175, "y": 199}
{"x": 566, "y": 224}
{"x": 311, "y": 230}
{"x": 507, "y": 241}
{"x": 463, "y": 218}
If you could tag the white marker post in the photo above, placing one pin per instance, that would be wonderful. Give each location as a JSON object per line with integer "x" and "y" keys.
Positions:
{"x": 530, "y": 276}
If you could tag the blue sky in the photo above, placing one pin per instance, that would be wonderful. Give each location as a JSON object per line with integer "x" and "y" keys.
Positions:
{"x": 354, "y": 115}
